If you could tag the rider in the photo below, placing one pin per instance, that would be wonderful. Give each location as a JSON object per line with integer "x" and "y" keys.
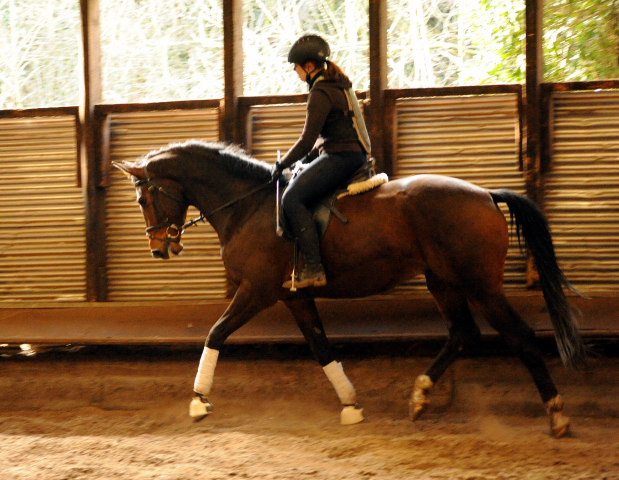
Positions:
{"x": 333, "y": 145}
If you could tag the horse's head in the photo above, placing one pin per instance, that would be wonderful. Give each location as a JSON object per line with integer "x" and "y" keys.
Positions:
{"x": 163, "y": 205}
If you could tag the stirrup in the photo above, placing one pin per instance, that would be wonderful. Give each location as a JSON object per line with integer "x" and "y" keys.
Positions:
{"x": 310, "y": 276}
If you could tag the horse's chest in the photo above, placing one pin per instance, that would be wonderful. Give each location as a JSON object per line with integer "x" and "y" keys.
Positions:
{"x": 232, "y": 263}
{"x": 241, "y": 255}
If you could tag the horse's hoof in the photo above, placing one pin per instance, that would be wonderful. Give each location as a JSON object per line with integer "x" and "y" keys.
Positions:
{"x": 559, "y": 425}
{"x": 351, "y": 414}
{"x": 199, "y": 408}
{"x": 417, "y": 411}
{"x": 419, "y": 401}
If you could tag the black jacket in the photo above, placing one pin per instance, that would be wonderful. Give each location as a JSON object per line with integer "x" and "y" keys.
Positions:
{"x": 328, "y": 122}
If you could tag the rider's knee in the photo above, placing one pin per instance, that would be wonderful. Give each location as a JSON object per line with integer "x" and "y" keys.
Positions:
{"x": 290, "y": 203}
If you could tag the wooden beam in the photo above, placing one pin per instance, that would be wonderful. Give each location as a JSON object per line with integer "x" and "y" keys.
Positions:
{"x": 90, "y": 151}
{"x": 156, "y": 106}
{"x": 590, "y": 85}
{"x": 390, "y": 132}
{"x": 454, "y": 90}
{"x": 378, "y": 81}
{"x": 397, "y": 318}
{"x": 272, "y": 99}
{"x": 546, "y": 127}
{"x": 39, "y": 112}
{"x": 233, "y": 70}
{"x": 520, "y": 128}
{"x": 534, "y": 78}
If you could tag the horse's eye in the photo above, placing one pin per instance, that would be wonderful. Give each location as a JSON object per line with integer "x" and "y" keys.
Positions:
{"x": 142, "y": 201}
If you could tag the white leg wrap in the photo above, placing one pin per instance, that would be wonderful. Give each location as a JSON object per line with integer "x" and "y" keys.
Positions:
{"x": 206, "y": 370}
{"x": 343, "y": 387}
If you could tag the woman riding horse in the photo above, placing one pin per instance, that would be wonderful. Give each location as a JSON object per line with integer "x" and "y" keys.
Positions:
{"x": 334, "y": 144}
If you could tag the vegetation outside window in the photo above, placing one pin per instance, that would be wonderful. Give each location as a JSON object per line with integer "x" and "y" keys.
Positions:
{"x": 581, "y": 40}
{"x": 454, "y": 42}
{"x": 39, "y": 44}
{"x": 161, "y": 50}
{"x": 468, "y": 42}
{"x": 272, "y": 26}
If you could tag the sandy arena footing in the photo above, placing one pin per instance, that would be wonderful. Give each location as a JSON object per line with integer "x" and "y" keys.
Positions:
{"x": 117, "y": 414}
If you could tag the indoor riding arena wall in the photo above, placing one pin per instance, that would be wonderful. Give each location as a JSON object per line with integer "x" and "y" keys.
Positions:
{"x": 100, "y": 349}
{"x": 57, "y": 288}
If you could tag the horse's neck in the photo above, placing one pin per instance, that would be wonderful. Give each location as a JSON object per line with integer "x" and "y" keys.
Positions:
{"x": 228, "y": 208}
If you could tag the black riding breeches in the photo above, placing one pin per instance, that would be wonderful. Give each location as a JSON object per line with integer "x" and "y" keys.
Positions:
{"x": 321, "y": 177}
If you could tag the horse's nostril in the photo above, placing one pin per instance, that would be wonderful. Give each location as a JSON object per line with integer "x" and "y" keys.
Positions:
{"x": 158, "y": 254}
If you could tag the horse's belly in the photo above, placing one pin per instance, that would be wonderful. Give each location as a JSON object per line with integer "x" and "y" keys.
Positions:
{"x": 370, "y": 259}
{"x": 370, "y": 278}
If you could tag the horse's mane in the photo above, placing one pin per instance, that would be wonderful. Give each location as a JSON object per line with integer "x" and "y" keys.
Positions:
{"x": 231, "y": 157}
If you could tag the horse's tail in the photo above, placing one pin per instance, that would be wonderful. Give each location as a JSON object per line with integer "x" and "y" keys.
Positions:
{"x": 532, "y": 226}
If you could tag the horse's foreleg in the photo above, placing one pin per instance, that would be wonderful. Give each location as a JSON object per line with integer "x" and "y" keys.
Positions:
{"x": 306, "y": 315}
{"x": 200, "y": 405}
{"x": 462, "y": 331}
{"x": 243, "y": 307}
{"x": 520, "y": 337}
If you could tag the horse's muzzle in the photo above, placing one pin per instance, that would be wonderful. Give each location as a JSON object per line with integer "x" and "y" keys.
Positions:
{"x": 162, "y": 248}
{"x": 160, "y": 254}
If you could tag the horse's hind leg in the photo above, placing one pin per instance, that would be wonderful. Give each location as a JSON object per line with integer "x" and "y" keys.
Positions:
{"x": 306, "y": 315}
{"x": 520, "y": 337}
{"x": 462, "y": 332}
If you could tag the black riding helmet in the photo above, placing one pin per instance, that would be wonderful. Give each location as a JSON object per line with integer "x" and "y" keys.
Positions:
{"x": 309, "y": 47}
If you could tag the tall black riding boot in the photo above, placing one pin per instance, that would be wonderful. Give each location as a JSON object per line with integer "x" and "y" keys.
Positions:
{"x": 313, "y": 273}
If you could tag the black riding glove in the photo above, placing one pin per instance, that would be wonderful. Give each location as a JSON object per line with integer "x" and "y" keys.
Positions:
{"x": 276, "y": 171}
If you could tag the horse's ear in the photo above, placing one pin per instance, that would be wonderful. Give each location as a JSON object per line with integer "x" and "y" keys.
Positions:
{"x": 129, "y": 169}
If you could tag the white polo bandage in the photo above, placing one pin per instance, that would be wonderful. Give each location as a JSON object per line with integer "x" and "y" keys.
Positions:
{"x": 206, "y": 370}
{"x": 343, "y": 387}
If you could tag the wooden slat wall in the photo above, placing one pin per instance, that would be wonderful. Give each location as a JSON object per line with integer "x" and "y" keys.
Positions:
{"x": 275, "y": 127}
{"x": 133, "y": 275}
{"x": 42, "y": 232}
{"x": 582, "y": 187}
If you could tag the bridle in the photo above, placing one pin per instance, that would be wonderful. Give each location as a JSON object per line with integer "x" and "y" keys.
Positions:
{"x": 170, "y": 227}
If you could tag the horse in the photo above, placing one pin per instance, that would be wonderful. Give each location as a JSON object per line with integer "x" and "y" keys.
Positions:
{"x": 449, "y": 230}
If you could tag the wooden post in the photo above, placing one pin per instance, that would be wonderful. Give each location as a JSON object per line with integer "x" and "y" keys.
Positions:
{"x": 96, "y": 255}
{"x": 233, "y": 127}
{"x": 378, "y": 82}
{"x": 233, "y": 71}
{"x": 534, "y": 78}
{"x": 533, "y": 109}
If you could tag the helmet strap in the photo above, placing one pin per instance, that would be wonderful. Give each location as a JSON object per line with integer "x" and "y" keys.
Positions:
{"x": 308, "y": 75}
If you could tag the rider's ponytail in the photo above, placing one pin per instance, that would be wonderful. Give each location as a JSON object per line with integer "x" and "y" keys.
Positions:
{"x": 333, "y": 71}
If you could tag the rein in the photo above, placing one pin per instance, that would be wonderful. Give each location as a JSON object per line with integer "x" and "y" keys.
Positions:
{"x": 153, "y": 188}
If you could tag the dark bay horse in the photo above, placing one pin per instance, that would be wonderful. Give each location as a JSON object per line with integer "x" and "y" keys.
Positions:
{"x": 446, "y": 229}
